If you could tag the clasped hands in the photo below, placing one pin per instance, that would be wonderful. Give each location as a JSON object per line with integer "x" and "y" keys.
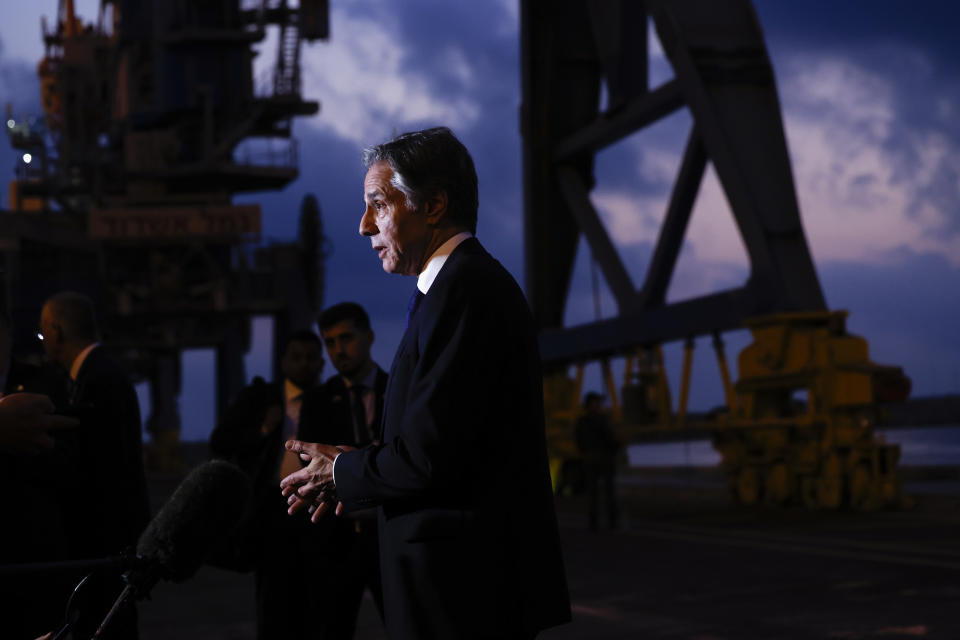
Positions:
{"x": 312, "y": 487}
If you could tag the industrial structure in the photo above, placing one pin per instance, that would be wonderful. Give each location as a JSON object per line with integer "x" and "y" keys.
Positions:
{"x": 819, "y": 450}
{"x": 152, "y": 121}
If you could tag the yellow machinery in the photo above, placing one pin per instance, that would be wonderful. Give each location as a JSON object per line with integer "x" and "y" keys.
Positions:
{"x": 799, "y": 421}
{"x": 802, "y": 426}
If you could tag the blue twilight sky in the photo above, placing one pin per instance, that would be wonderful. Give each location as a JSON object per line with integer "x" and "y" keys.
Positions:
{"x": 870, "y": 92}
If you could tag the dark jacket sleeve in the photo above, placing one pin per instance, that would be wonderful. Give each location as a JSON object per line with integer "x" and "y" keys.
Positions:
{"x": 446, "y": 409}
{"x": 108, "y": 496}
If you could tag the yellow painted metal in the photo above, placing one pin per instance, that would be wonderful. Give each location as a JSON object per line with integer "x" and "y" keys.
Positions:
{"x": 615, "y": 411}
{"x": 799, "y": 422}
{"x": 685, "y": 381}
{"x": 806, "y": 374}
{"x": 662, "y": 390}
{"x": 728, "y": 392}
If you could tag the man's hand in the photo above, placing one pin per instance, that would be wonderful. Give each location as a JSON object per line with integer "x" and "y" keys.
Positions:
{"x": 312, "y": 487}
{"x": 25, "y": 419}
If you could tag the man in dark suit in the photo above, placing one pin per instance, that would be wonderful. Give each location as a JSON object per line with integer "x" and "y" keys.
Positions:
{"x": 598, "y": 446}
{"x": 251, "y": 433}
{"x": 105, "y": 500}
{"x": 29, "y": 493}
{"x": 469, "y": 546}
{"x": 347, "y": 410}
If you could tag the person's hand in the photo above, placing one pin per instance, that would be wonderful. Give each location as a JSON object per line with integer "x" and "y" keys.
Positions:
{"x": 312, "y": 487}
{"x": 26, "y": 419}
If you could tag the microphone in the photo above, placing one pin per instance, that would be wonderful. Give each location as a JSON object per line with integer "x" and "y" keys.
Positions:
{"x": 203, "y": 510}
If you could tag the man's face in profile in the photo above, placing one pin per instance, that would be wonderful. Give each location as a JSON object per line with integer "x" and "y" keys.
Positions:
{"x": 348, "y": 346}
{"x": 398, "y": 232}
{"x": 302, "y": 363}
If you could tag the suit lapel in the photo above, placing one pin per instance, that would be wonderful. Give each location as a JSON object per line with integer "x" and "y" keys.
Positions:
{"x": 379, "y": 393}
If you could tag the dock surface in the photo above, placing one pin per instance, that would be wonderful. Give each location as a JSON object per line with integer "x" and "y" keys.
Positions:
{"x": 687, "y": 564}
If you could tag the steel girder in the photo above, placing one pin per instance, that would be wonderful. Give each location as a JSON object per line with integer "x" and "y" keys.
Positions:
{"x": 724, "y": 77}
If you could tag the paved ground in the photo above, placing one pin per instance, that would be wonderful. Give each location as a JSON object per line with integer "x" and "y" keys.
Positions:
{"x": 687, "y": 565}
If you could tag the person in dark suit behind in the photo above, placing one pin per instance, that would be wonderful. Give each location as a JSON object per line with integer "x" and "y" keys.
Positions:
{"x": 28, "y": 492}
{"x": 347, "y": 410}
{"x": 598, "y": 445}
{"x": 105, "y": 501}
{"x": 251, "y": 434}
{"x": 469, "y": 546}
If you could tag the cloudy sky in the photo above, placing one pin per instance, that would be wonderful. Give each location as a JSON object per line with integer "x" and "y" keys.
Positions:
{"x": 870, "y": 92}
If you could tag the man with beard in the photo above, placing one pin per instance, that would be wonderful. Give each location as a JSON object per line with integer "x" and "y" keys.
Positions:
{"x": 347, "y": 410}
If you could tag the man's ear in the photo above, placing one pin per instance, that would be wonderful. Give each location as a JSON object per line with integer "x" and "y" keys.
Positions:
{"x": 435, "y": 207}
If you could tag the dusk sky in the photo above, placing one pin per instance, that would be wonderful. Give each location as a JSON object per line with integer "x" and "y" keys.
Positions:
{"x": 870, "y": 92}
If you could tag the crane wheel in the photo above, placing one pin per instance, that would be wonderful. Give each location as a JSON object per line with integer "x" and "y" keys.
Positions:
{"x": 830, "y": 483}
{"x": 777, "y": 485}
{"x": 864, "y": 493}
{"x": 748, "y": 486}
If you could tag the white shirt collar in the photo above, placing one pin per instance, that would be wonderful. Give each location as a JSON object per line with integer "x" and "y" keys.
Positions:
{"x": 436, "y": 261}
{"x": 78, "y": 361}
{"x": 290, "y": 390}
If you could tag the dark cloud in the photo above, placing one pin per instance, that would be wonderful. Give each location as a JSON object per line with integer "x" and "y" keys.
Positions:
{"x": 858, "y": 25}
{"x": 913, "y": 49}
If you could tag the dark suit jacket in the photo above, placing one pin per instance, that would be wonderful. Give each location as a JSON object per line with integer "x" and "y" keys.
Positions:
{"x": 108, "y": 491}
{"x": 29, "y": 495}
{"x": 327, "y": 414}
{"x": 468, "y": 531}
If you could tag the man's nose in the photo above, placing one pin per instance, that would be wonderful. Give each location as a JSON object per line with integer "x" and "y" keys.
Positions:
{"x": 367, "y": 227}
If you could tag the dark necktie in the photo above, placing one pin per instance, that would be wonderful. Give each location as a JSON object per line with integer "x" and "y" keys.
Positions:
{"x": 414, "y": 304}
{"x": 361, "y": 430}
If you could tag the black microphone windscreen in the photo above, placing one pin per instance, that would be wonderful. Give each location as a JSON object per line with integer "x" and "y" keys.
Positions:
{"x": 201, "y": 512}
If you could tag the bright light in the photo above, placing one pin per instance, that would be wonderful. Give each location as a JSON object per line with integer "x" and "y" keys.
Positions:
{"x": 11, "y": 124}
{"x": 40, "y": 336}
{"x": 27, "y": 158}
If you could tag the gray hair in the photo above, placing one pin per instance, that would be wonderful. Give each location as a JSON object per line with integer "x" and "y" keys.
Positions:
{"x": 426, "y": 162}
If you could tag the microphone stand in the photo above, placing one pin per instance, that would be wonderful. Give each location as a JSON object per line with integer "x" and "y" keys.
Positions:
{"x": 120, "y": 601}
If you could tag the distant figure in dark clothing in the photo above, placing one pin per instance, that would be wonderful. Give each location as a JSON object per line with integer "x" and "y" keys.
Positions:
{"x": 251, "y": 434}
{"x": 347, "y": 409}
{"x": 599, "y": 447}
{"x": 105, "y": 497}
{"x": 29, "y": 493}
